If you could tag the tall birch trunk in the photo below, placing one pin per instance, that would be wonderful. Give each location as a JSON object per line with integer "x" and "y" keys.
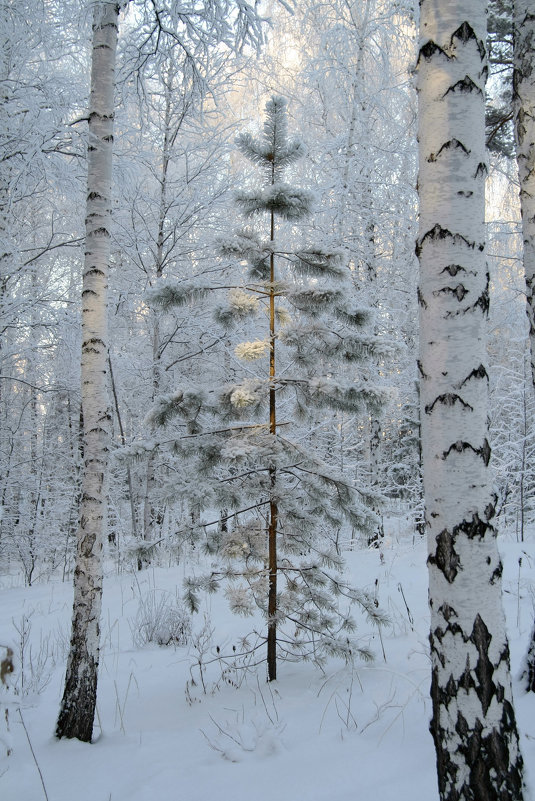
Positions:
{"x": 524, "y": 108}
{"x": 79, "y": 698}
{"x": 473, "y": 721}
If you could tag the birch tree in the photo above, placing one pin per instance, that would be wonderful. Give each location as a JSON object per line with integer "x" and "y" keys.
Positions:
{"x": 79, "y": 698}
{"x": 473, "y": 722}
{"x": 524, "y": 113}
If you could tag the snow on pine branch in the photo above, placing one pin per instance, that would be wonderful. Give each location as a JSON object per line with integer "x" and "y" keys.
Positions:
{"x": 326, "y": 392}
{"x": 282, "y": 199}
{"x": 168, "y": 294}
{"x": 319, "y": 262}
{"x": 185, "y": 403}
{"x": 240, "y": 306}
{"x": 250, "y": 351}
{"x": 315, "y": 299}
{"x": 332, "y": 344}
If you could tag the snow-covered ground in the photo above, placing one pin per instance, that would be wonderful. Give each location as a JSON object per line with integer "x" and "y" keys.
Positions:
{"x": 359, "y": 733}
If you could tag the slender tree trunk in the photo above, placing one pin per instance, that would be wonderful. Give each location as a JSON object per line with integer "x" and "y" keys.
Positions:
{"x": 77, "y": 709}
{"x": 473, "y": 722}
{"x": 273, "y": 510}
{"x": 133, "y": 516}
{"x": 151, "y": 515}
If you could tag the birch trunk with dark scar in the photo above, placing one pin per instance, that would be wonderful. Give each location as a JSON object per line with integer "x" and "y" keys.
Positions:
{"x": 473, "y": 721}
{"x": 524, "y": 111}
{"x": 77, "y": 709}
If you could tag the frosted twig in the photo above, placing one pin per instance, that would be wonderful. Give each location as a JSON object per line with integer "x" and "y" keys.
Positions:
{"x": 33, "y": 754}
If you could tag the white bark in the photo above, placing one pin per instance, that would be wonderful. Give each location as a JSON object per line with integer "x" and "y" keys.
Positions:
{"x": 524, "y": 108}
{"x": 473, "y": 722}
{"x": 78, "y": 703}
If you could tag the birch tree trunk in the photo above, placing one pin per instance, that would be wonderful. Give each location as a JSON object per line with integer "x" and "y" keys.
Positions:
{"x": 79, "y": 699}
{"x": 524, "y": 110}
{"x": 473, "y": 721}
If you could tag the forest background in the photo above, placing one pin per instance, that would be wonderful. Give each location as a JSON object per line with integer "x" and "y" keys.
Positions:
{"x": 346, "y": 72}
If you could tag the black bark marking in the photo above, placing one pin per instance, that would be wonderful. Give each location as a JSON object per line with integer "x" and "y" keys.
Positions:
{"x": 449, "y": 145}
{"x": 496, "y": 574}
{"x": 465, "y": 192}
{"x": 460, "y": 446}
{"x": 429, "y": 49}
{"x": 448, "y": 612}
{"x": 490, "y": 508}
{"x": 458, "y": 291}
{"x": 95, "y": 196}
{"x": 478, "y": 372}
{"x": 483, "y": 302}
{"x": 421, "y": 300}
{"x": 453, "y": 269}
{"x": 484, "y": 687}
{"x": 494, "y": 772}
{"x": 445, "y": 557}
{"x": 465, "y": 33}
{"x": 482, "y": 170}
{"x": 474, "y": 528}
{"x": 437, "y": 233}
{"x": 448, "y": 399}
{"x": 99, "y": 232}
{"x": 466, "y": 84}
{"x": 95, "y": 115}
{"x": 421, "y": 371}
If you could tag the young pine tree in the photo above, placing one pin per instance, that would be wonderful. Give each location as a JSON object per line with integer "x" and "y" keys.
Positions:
{"x": 251, "y": 446}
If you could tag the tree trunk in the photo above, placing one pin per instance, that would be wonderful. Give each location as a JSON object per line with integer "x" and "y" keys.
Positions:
{"x": 524, "y": 107}
{"x": 273, "y": 508}
{"x": 473, "y": 721}
{"x": 79, "y": 699}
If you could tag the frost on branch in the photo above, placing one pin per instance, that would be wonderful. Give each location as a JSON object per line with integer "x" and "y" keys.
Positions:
{"x": 240, "y": 306}
{"x": 319, "y": 262}
{"x": 250, "y": 351}
{"x": 183, "y": 403}
{"x": 290, "y": 204}
{"x": 315, "y": 299}
{"x": 249, "y": 393}
{"x": 247, "y": 457}
{"x": 167, "y": 295}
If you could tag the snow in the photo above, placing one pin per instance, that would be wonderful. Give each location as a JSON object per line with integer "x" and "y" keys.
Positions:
{"x": 348, "y": 733}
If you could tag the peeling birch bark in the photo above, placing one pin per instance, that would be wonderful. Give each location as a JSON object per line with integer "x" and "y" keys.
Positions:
{"x": 473, "y": 722}
{"x": 77, "y": 708}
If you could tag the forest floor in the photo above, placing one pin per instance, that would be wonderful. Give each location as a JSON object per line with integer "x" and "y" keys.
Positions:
{"x": 350, "y": 733}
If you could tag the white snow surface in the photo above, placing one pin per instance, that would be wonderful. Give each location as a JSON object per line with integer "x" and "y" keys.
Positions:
{"x": 348, "y": 734}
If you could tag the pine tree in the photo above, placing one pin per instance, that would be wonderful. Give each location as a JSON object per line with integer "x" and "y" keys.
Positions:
{"x": 244, "y": 443}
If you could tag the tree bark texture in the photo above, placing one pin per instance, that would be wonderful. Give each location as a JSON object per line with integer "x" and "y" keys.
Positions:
{"x": 79, "y": 699}
{"x": 524, "y": 110}
{"x": 473, "y": 721}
